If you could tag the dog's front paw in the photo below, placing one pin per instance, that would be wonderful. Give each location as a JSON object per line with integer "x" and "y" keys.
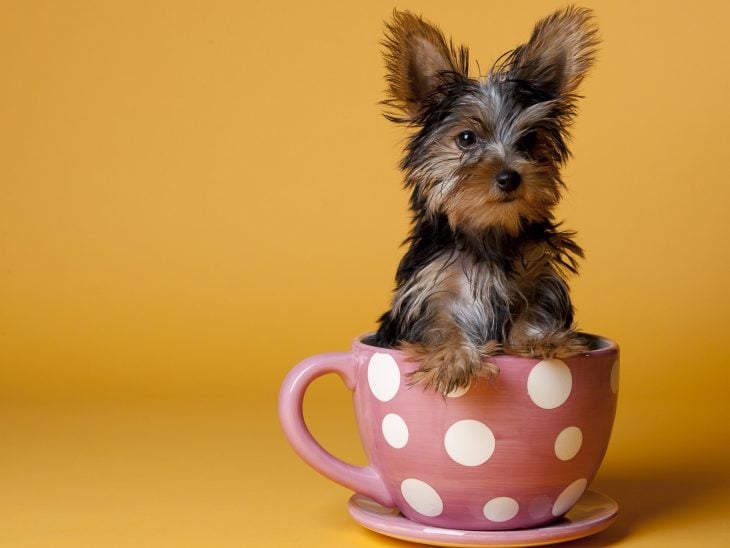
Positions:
{"x": 551, "y": 344}
{"x": 448, "y": 367}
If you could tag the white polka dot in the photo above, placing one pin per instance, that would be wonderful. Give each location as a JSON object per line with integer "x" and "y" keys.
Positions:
{"x": 383, "y": 376}
{"x": 422, "y": 497}
{"x": 569, "y": 497}
{"x": 615, "y": 377}
{"x": 469, "y": 442}
{"x": 568, "y": 443}
{"x": 395, "y": 430}
{"x": 501, "y": 509}
{"x": 458, "y": 392}
{"x": 549, "y": 384}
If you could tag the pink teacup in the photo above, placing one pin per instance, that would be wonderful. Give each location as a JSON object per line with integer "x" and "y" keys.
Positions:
{"x": 514, "y": 453}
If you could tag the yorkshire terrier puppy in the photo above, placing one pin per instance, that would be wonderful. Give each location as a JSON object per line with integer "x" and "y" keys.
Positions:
{"x": 486, "y": 262}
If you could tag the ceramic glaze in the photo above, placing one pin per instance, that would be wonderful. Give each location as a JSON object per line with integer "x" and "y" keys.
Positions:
{"x": 517, "y": 452}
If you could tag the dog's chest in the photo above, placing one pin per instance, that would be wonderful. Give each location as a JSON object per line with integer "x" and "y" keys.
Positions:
{"x": 477, "y": 296}
{"x": 478, "y": 284}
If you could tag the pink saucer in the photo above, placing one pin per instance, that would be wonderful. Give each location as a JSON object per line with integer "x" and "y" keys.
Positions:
{"x": 592, "y": 513}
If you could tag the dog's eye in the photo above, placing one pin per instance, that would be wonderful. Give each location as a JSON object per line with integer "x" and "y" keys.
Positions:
{"x": 527, "y": 142}
{"x": 466, "y": 139}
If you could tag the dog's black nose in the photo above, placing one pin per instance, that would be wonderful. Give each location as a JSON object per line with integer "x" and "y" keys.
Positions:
{"x": 508, "y": 180}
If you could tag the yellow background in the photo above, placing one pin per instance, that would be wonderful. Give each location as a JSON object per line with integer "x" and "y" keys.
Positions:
{"x": 196, "y": 195}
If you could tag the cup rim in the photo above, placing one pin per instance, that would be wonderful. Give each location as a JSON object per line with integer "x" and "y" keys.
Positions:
{"x": 607, "y": 346}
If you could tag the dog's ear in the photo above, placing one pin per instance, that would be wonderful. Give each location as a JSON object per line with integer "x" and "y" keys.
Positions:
{"x": 418, "y": 61}
{"x": 560, "y": 52}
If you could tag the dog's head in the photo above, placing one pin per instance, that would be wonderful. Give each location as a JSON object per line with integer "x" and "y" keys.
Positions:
{"x": 486, "y": 151}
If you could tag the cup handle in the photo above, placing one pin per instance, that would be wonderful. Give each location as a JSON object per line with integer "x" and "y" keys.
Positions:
{"x": 361, "y": 479}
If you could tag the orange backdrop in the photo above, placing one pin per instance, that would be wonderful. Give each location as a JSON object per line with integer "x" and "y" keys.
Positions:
{"x": 196, "y": 195}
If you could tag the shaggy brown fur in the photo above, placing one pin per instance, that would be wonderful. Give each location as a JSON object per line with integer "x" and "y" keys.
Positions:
{"x": 486, "y": 265}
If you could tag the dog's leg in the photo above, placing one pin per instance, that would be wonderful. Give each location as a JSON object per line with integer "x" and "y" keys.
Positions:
{"x": 449, "y": 360}
{"x": 439, "y": 323}
{"x": 544, "y": 328}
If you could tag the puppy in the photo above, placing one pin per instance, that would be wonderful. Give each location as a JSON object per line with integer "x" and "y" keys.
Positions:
{"x": 486, "y": 265}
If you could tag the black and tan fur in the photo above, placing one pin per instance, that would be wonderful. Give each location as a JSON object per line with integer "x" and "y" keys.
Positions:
{"x": 486, "y": 262}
